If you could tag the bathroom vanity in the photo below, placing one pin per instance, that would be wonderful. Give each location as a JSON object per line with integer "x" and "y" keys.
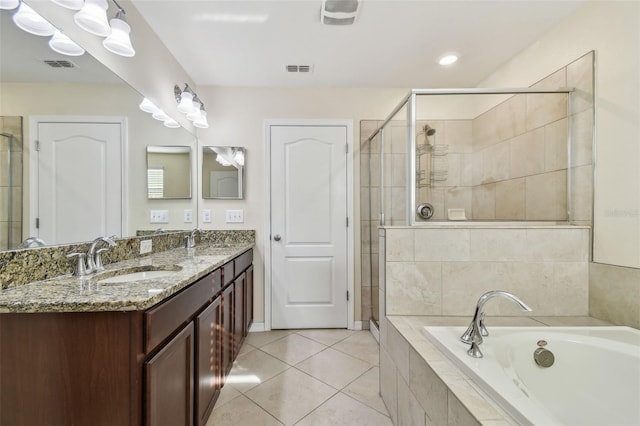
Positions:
{"x": 81, "y": 351}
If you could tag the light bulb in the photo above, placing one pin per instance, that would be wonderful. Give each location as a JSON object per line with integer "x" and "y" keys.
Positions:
{"x": 202, "y": 123}
{"x": 9, "y": 4}
{"x": 160, "y": 115}
{"x": 64, "y": 45}
{"x": 147, "y": 106}
{"x": 171, "y": 123}
{"x": 196, "y": 113}
{"x": 238, "y": 157}
{"x": 70, "y": 4}
{"x": 93, "y": 17}
{"x": 118, "y": 41}
{"x": 223, "y": 161}
{"x": 30, "y": 21}
{"x": 186, "y": 102}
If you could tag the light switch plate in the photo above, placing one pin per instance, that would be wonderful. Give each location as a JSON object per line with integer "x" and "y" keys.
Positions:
{"x": 145, "y": 246}
{"x": 188, "y": 216}
{"x": 206, "y": 216}
{"x": 235, "y": 216}
{"x": 159, "y": 216}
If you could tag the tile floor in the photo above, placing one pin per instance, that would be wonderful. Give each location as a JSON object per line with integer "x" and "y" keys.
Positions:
{"x": 303, "y": 378}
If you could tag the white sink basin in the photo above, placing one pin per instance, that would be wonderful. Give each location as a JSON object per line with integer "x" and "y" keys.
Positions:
{"x": 148, "y": 274}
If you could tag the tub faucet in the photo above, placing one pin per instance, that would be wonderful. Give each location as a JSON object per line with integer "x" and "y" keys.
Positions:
{"x": 190, "y": 240}
{"x": 94, "y": 259}
{"x": 476, "y": 329}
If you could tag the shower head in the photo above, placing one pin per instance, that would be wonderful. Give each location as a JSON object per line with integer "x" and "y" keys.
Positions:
{"x": 428, "y": 130}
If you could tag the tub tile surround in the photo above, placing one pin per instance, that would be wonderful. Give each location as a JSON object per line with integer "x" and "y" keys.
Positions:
{"x": 436, "y": 391}
{"x": 614, "y": 294}
{"x": 19, "y": 267}
{"x": 11, "y": 180}
{"x": 435, "y": 271}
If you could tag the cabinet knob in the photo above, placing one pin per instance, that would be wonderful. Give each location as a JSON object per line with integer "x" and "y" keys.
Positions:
{"x": 277, "y": 237}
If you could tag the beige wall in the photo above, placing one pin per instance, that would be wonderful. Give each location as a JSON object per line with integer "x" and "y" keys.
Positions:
{"x": 612, "y": 29}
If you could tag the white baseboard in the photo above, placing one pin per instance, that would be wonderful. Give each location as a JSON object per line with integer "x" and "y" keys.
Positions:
{"x": 357, "y": 325}
{"x": 374, "y": 330}
{"x": 256, "y": 327}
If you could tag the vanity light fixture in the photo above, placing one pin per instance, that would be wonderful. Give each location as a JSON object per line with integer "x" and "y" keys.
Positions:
{"x": 191, "y": 105}
{"x": 64, "y": 45}
{"x": 93, "y": 17}
{"x": 70, "y": 4}
{"x": 30, "y": 21}
{"x": 160, "y": 115}
{"x": 9, "y": 4}
{"x": 147, "y": 106}
{"x": 118, "y": 41}
{"x": 171, "y": 123}
{"x": 238, "y": 156}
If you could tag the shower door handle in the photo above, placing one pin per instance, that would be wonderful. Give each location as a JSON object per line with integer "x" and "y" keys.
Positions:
{"x": 277, "y": 237}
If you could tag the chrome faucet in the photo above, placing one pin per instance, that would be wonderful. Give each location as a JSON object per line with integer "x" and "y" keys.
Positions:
{"x": 190, "y": 240}
{"x": 32, "y": 242}
{"x": 94, "y": 259}
{"x": 475, "y": 331}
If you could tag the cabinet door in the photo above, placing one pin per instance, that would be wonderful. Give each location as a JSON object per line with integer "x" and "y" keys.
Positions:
{"x": 248, "y": 298}
{"x": 208, "y": 361}
{"x": 238, "y": 313}
{"x": 169, "y": 382}
{"x": 227, "y": 330}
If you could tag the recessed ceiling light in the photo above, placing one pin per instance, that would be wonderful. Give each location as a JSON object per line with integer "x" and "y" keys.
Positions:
{"x": 448, "y": 59}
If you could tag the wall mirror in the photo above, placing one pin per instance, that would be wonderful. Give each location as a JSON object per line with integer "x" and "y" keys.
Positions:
{"x": 223, "y": 172}
{"x": 168, "y": 172}
{"x": 80, "y": 87}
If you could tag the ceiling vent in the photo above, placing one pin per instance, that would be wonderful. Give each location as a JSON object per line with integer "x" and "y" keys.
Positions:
{"x": 299, "y": 68}
{"x": 339, "y": 12}
{"x": 58, "y": 63}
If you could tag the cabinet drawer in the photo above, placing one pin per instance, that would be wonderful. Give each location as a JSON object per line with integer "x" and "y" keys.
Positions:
{"x": 162, "y": 320}
{"x": 243, "y": 261}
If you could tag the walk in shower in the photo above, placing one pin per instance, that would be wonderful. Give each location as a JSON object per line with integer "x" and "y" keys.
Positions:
{"x": 11, "y": 151}
{"x": 455, "y": 157}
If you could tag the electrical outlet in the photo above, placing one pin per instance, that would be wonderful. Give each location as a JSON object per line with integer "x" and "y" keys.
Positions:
{"x": 159, "y": 216}
{"x": 235, "y": 216}
{"x": 188, "y": 216}
{"x": 145, "y": 246}
{"x": 206, "y": 216}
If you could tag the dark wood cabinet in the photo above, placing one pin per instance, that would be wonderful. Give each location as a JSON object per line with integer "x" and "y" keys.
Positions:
{"x": 162, "y": 366}
{"x": 169, "y": 382}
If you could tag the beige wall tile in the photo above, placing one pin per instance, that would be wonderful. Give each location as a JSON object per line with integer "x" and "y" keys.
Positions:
{"x": 546, "y": 196}
{"x": 555, "y": 145}
{"x": 389, "y": 384}
{"x": 413, "y": 288}
{"x": 410, "y": 413}
{"x": 460, "y": 198}
{"x": 399, "y": 352}
{"x": 459, "y": 135}
{"x": 457, "y": 414}
{"x": 495, "y": 162}
{"x": 498, "y": 244}
{"x": 454, "y": 168}
{"x": 484, "y": 202}
{"x": 482, "y": 408}
{"x": 510, "y": 199}
{"x": 527, "y": 154}
{"x": 582, "y": 193}
{"x": 4, "y": 170}
{"x": 510, "y": 116}
{"x": 441, "y": 244}
{"x": 546, "y": 108}
{"x": 400, "y": 245}
{"x": 580, "y": 77}
{"x": 484, "y": 130}
{"x": 557, "y": 245}
{"x": 476, "y": 168}
{"x": 429, "y": 390}
{"x": 466, "y": 169}
{"x": 399, "y": 205}
{"x": 582, "y": 138}
{"x": 398, "y": 141}
{"x": 464, "y": 282}
{"x": 614, "y": 294}
{"x": 398, "y": 170}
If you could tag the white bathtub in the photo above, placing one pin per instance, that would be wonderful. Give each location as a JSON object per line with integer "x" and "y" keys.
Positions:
{"x": 595, "y": 379}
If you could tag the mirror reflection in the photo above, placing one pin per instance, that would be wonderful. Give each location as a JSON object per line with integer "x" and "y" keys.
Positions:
{"x": 168, "y": 172}
{"x": 223, "y": 172}
{"x": 40, "y": 87}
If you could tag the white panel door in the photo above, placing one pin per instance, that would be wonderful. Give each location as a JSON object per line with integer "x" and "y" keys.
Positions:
{"x": 308, "y": 227}
{"x": 79, "y": 181}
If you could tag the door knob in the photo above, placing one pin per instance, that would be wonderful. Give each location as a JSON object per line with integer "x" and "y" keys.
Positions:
{"x": 276, "y": 237}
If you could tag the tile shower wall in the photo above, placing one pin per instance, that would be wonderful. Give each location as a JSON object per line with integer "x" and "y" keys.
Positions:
{"x": 11, "y": 151}
{"x": 443, "y": 271}
{"x": 614, "y": 294}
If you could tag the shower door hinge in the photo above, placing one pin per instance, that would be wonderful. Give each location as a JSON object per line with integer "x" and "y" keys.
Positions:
{"x": 37, "y": 223}
{"x": 347, "y": 295}
{"x": 37, "y": 145}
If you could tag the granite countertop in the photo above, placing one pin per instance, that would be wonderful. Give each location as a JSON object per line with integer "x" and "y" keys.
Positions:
{"x": 88, "y": 294}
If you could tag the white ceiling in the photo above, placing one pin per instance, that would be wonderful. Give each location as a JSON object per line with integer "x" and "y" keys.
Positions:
{"x": 394, "y": 43}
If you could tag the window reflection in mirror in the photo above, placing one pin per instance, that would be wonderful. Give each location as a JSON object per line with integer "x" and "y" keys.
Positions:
{"x": 168, "y": 172}
{"x": 223, "y": 172}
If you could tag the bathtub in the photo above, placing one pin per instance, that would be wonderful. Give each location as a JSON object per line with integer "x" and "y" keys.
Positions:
{"x": 595, "y": 379}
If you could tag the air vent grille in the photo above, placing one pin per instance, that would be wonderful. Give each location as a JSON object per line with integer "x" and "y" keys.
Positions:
{"x": 299, "y": 68}
{"x": 59, "y": 63}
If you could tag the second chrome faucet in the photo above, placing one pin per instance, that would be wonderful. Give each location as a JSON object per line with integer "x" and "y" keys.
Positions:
{"x": 91, "y": 261}
{"x": 475, "y": 331}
